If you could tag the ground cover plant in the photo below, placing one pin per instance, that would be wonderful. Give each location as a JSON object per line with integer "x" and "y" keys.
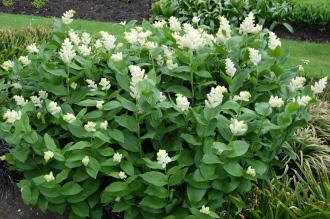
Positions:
{"x": 207, "y": 13}
{"x": 162, "y": 121}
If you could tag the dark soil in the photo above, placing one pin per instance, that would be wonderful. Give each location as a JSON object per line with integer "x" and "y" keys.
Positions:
{"x": 304, "y": 33}
{"x": 103, "y": 10}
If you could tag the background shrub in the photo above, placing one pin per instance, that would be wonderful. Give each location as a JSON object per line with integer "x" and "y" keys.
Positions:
{"x": 8, "y": 3}
{"x": 38, "y": 4}
{"x": 162, "y": 121}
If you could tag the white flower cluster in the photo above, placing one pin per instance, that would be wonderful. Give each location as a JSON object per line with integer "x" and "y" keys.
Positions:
{"x": 250, "y": 171}
{"x": 182, "y": 102}
{"x": 243, "y": 96}
{"x": 230, "y": 67}
{"x": 159, "y": 24}
{"x": 11, "y": 116}
{"x": 163, "y": 158}
{"x": 7, "y": 65}
{"x": 67, "y": 16}
{"x": 20, "y": 101}
{"x": 67, "y": 52}
{"x": 69, "y": 118}
{"x": 238, "y": 127}
{"x": 192, "y": 38}
{"x": 224, "y": 32}
{"x": 255, "y": 56}
{"x": 205, "y": 210}
{"x": 104, "y": 83}
{"x": 215, "y": 97}
{"x": 32, "y": 48}
{"x": 24, "y": 60}
{"x": 54, "y": 108}
{"x": 276, "y": 102}
{"x": 273, "y": 41}
{"x": 37, "y": 101}
{"x": 117, "y": 157}
{"x": 248, "y": 26}
{"x": 104, "y": 125}
{"x": 48, "y": 155}
{"x": 84, "y": 50}
{"x": 117, "y": 57}
{"x": 297, "y": 83}
{"x": 303, "y": 101}
{"x": 90, "y": 126}
{"x": 92, "y": 85}
{"x": 319, "y": 86}
{"x": 108, "y": 40}
{"x": 137, "y": 36}
{"x": 122, "y": 175}
{"x": 49, "y": 177}
{"x": 137, "y": 76}
{"x": 74, "y": 37}
{"x": 174, "y": 24}
{"x": 170, "y": 64}
{"x": 85, "y": 161}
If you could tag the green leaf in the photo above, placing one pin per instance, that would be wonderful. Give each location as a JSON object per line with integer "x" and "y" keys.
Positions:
{"x": 81, "y": 209}
{"x": 128, "y": 122}
{"x": 155, "y": 178}
{"x": 195, "y": 195}
{"x": 63, "y": 175}
{"x": 54, "y": 70}
{"x": 117, "y": 187}
{"x": 233, "y": 168}
{"x": 114, "y": 104}
{"x": 153, "y": 202}
{"x": 239, "y": 148}
{"x": 263, "y": 109}
{"x": 284, "y": 119}
{"x": 117, "y": 135}
{"x": 93, "y": 167}
{"x": 71, "y": 188}
{"x": 190, "y": 139}
{"x": 50, "y": 143}
{"x": 179, "y": 89}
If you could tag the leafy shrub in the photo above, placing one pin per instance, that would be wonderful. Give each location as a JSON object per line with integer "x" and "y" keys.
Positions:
{"x": 162, "y": 121}
{"x": 38, "y": 4}
{"x": 311, "y": 12}
{"x": 8, "y": 3}
{"x": 269, "y": 13}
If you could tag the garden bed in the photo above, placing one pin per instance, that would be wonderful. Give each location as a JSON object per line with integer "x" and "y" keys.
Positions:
{"x": 104, "y": 10}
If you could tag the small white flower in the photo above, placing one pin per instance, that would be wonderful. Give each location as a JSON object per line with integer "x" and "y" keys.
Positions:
{"x": 174, "y": 24}
{"x": 105, "y": 84}
{"x": 123, "y": 23}
{"x": 137, "y": 76}
{"x": 297, "y": 83}
{"x": 91, "y": 85}
{"x": 86, "y": 38}
{"x": 224, "y": 32}
{"x": 182, "y": 102}
{"x": 193, "y": 39}
{"x": 90, "y": 126}
{"x": 159, "y": 60}
{"x": 108, "y": 40}
{"x": 205, "y": 210}
{"x": 104, "y": 125}
{"x": 250, "y": 171}
{"x": 276, "y": 101}
{"x": 85, "y": 161}
{"x": 17, "y": 85}
{"x": 248, "y": 26}
{"x": 99, "y": 104}
{"x": 54, "y": 108}
{"x": 122, "y": 175}
{"x": 319, "y": 86}
{"x": 238, "y": 127}
{"x": 69, "y": 118}
{"x": 11, "y": 116}
{"x": 7, "y": 65}
{"x": 243, "y": 96}
{"x": 49, "y": 177}
{"x": 84, "y": 50}
{"x": 43, "y": 94}
{"x": 162, "y": 97}
{"x": 304, "y": 100}
{"x": 32, "y": 48}
{"x": 24, "y": 60}
{"x": 20, "y": 101}
{"x": 117, "y": 157}
{"x": 195, "y": 19}
{"x": 3, "y": 158}
{"x": 171, "y": 65}
{"x": 37, "y": 101}
{"x": 150, "y": 45}
{"x": 67, "y": 16}
{"x": 74, "y": 37}
{"x": 273, "y": 41}
{"x": 39, "y": 115}
{"x": 98, "y": 44}
{"x": 117, "y": 57}
{"x": 73, "y": 85}
{"x": 163, "y": 158}
{"x": 48, "y": 155}
{"x": 159, "y": 24}
{"x": 67, "y": 52}
{"x": 215, "y": 97}
{"x": 230, "y": 68}
{"x": 255, "y": 56}
{"x": 301, "y": 68}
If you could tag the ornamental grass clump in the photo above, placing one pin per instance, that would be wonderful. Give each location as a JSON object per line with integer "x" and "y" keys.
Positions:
{"x": 161, "y": 121}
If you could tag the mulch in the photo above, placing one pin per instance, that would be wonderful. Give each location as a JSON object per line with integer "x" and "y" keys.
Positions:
{"x": 103, "y": 10}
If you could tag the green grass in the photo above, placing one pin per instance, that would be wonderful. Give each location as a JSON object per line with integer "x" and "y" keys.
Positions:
{"x": 317, "y": 54}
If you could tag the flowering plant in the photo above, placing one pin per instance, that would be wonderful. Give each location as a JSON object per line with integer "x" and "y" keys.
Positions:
{"x": 160, "y": 120}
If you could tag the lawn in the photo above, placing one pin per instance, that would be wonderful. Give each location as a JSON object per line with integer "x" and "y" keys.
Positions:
{"x": 318, "y": 54}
